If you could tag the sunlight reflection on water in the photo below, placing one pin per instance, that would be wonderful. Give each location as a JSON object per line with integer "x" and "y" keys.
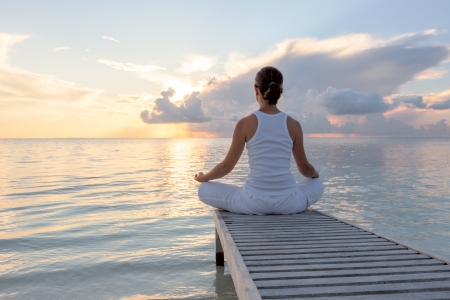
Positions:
{"x": 111, "y": 219}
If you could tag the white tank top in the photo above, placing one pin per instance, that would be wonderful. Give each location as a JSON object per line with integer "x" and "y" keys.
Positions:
{"x": 269, "y": 157}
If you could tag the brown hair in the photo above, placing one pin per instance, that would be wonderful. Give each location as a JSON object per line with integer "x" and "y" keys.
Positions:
{"x": 269, "y": 80}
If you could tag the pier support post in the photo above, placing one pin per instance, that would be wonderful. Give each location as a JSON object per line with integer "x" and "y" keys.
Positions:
{"x": 219, "y": 251}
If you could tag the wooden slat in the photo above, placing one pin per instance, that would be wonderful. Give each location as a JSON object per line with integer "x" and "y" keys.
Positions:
{"x": 305, "y": 239}
{"x": 276, "y": 218}
{"x": 249, "y": 236}
{"x": 368, "y": 254}
{"x": 322, "y": 250}
{"x": 350, "y": 273}
{"x": 275, "y": 221}
{"x": 285, "y": 222}
{"x": 299, "y": 237}
{"x": 298, "y": 232}
{"x": 242, "y": 245}
{"x": 305, "y": 214}
{"x": 348, "y": 290}
{"x": 265, "y": 229}
{"x": 292, "y": 228}
{"x": 375, "y": 279}
{"x": 299, "y": 267}
{"x": 340, "y": 260}
{"x": 318, "y": 244}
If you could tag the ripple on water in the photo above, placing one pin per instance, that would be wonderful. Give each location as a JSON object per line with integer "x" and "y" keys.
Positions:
{"x": 120, "y": 219}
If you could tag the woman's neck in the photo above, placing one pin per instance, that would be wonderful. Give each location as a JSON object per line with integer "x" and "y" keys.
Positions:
{"x": 268, "y": 108}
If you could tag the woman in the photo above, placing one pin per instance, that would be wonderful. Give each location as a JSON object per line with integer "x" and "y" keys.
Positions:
{"x": 271, "y": 136}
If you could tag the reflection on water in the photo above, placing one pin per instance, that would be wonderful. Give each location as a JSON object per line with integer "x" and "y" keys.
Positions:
{"x": 120, "y": 219}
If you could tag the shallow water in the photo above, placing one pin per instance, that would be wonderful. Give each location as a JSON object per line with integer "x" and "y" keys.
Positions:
{"x": 120, "y": 219}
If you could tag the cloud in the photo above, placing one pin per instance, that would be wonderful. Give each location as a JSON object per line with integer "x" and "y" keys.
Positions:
{"x": 7, "y": 41}
{"x": 357, "y": 61}
{"x": 105, "y": 37}
{"x": 373, "y": 125}
{"x": 134, "y": 98}
{"x": 431, "y": 74}
{"x": 410, "y": 101}
{"x": 441, "y": 105}
{"x": 348, "y": 102}
{"x": 130, "y": 67}
{"x": 156, "y": 74}
{"x": 21, "y": 85}
{"x": 316, "y": 123}
{"x": 379, "y": 125}
{"x": 56, "y": 49}
{"x": 197, "y": 63}
{"x": 439, "y": 129}
{"x": 165, "y": 111}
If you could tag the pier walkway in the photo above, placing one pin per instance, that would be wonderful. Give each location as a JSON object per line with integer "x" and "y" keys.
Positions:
{"x": 313, "y": 255}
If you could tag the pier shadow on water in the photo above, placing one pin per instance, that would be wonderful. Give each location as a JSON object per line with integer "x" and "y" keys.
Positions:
{"x": 223, "y": 284}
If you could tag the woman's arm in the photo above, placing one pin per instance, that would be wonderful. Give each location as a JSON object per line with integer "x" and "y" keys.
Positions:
{"x": 298, "y": 150}
{"x": 232, "y": 157}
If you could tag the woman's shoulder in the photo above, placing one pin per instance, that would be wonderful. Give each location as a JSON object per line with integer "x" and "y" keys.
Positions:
{"x": 248, "y": 125}
{"x": 294, "y": 127}
{"x": 292, "y": 122}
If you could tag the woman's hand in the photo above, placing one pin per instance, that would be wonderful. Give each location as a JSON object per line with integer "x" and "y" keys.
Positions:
{"x": 200, "y": 177}
{"x": 316, "y": 174}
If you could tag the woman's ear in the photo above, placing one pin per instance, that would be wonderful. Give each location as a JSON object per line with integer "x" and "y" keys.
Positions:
{"x": 256, "y": 90}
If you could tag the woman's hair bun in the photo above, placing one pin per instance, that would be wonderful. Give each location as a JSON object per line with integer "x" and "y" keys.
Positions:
{"x": 269, "y": 80}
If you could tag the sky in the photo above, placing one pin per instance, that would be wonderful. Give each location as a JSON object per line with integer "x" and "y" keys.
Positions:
{"x": 165, "y": 69}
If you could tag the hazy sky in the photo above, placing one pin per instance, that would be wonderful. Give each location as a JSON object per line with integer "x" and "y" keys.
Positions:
{"x": 186, "y": 68}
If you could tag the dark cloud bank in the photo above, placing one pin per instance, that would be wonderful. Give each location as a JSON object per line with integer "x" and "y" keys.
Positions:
{"x": 317, "y": 85}
{"x": 374, "y": 125}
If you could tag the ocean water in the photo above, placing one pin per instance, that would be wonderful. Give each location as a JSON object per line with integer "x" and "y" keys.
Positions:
{"x": 120, "y": 218}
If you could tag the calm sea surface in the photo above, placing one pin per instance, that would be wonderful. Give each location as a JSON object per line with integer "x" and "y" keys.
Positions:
{"x": 120, "y": 218}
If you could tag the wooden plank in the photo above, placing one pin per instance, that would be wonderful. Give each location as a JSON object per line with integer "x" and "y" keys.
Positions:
{"x": 339, "y": 260}
{"x": 300, "y": 232}
{"x": 268, "y": 218}
{"x": 322, "y": 250}
{"x": 295, "y": 238}
{"x": 300, "y": 228}
{"x": 291, "y": 228}
{"x": 305, "y": 214}
{"x": 377, "y": 279}
{"x": 300, "y": 267}
{"x": 243, "y": 283}
{"x": 348, "y": 290}
{"x": 318, "y": 244}
{"x": 368, "y": 254}
{"x": 265, "y": 229}
{"x": 307, "y": 240}
{"x": 313, "y": 216}
{"x": 250, "y": 238}
{"x": 350, "y": 273}
{"x": 243, "y": 222}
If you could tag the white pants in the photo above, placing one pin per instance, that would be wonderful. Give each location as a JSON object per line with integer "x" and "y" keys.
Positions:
{"x": 234, "y": 199}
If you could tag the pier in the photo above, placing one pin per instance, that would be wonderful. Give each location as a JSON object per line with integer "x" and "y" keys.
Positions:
{"x": 313, "y": 255}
